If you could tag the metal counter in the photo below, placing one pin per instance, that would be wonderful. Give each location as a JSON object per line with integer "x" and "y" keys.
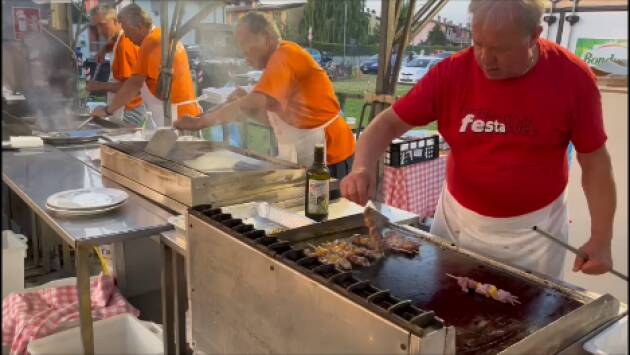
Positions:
{"x": 35, "y": 174}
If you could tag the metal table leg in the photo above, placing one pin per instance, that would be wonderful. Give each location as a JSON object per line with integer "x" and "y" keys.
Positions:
{"x": 180, "y": 302}
{"x": 82, "y": 254}
{"x": 167, "y": 299}
{"x": 35, "y": 238}
{"x": 67, "y": 265}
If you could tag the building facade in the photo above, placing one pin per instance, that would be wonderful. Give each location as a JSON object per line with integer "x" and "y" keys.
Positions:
{"x": 456, "y": 34}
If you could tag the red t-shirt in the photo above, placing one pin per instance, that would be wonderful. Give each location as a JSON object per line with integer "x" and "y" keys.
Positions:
{"x": 509, "y": 138}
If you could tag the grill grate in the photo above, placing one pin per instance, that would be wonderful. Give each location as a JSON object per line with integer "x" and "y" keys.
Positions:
{"x": 380, "y": 301}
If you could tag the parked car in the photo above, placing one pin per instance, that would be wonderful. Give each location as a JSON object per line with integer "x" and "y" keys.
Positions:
{"x": 370, "y": 65}
{"x": 415, "y": 69}
{"x": 444, "y": 55}
{"x": 315, "y": 54}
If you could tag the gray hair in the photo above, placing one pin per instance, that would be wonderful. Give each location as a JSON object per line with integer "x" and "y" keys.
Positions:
{"x": 526, "y": 13}
{"x": 257, "y": 23}
{"x": 105, "y": 10}
{"x": 136, "y": 15}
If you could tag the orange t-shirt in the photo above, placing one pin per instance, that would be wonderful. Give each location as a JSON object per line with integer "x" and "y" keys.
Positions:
{"x": 148, "y": 65}
{"x": 125, "y": 56}
{"x": 304, "y": 97}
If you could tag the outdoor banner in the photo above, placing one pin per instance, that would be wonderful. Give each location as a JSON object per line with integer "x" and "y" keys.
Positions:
{"x": 25, "y": 19}
{"x": 604, "y": 56}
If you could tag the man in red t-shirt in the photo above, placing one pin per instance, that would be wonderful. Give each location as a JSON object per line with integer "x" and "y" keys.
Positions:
{"x": 508, "y": 107}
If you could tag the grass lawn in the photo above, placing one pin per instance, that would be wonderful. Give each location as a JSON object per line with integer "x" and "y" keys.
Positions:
{"x": 367, "y": 82}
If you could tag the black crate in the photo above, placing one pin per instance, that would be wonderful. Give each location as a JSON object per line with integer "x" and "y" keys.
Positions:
{"x": 407, "y": 151}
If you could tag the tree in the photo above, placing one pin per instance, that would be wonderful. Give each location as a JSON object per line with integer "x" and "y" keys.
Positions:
{"x": 436, "y": 37}
{"x": 327, "y": 19}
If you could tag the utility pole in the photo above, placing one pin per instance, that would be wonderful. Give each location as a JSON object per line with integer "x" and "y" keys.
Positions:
{"x": 345, "y": 29}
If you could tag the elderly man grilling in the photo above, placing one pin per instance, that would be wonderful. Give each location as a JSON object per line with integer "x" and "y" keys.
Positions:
{"x": 145, "y": 73}
{"x": 125, "y": 56}
{"x": 508, "y": 107}
{"x": 294, "y": 96}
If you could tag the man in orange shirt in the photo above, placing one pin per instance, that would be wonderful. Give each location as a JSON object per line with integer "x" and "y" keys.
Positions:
{"x": 138, "y": 26}
{"x": 296, "y": 94}
{"x": 103, "y": 18}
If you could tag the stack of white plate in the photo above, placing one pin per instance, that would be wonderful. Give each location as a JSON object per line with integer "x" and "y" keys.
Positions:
{"x": 83, "y": 202}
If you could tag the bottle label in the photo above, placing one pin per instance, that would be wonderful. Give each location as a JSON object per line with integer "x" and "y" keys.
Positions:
{"x": 318, "y": 191}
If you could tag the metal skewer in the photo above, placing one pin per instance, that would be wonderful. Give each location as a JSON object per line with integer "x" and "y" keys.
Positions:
{"x": 575, "y": 251}
{"x": 515, "y": 300}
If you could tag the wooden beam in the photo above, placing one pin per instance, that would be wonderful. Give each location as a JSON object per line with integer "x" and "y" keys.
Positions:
{"x": 388, "y": 26}
{"x": 402, "y": 44}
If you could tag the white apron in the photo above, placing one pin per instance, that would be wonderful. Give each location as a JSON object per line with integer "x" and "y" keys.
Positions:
{"x": 297, "y": 145}
{"x": 156, "y": 106}
{"x": 110, "y": 95}
{"x": 508, "y": 240}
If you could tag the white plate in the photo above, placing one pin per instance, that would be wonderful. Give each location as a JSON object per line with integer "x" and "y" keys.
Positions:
{"x": 87, "y": 199}
{"x": 84, "y": 212}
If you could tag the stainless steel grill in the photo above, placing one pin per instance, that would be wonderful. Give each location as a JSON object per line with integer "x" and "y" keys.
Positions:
{"x": 254, "y": 293}
{"x": 172, "y": 183}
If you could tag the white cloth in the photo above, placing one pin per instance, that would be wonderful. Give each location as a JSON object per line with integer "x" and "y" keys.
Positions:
{"x": 298, "y": 144}
{"x": 110, "y": 95}
{"x": 508, "y": 240}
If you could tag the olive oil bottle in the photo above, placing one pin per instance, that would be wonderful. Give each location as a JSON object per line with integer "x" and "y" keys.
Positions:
{"x": 317, "y": 187}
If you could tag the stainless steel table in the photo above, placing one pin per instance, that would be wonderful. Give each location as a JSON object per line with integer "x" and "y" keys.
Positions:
{"x": 35, "y": 174}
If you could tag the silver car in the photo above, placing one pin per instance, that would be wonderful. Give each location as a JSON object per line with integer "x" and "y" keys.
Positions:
{"x": 415, "y": 69}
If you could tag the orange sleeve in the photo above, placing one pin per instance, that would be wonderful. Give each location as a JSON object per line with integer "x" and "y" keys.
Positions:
{"x": 145, "y": 64}
{"x": 129, "y": 55}
{"x": 277, "y": 80}
{"x": 148, "y": 63}
{"x": 141, "y": 65}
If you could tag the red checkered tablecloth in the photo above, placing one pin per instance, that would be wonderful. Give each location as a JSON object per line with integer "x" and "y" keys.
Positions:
{"x": 415, "y": 188}
{"x": 31, "y": 315}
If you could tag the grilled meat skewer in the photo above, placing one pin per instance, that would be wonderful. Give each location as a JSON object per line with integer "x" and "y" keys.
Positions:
{"x": 487, "y": 290}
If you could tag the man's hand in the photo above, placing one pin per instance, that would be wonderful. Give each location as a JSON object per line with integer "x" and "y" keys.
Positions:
{"x": 598, "y": 258}
{"x": 359, "y": 185}
{"x": 99, "y": 112}
{"x": 188, "y": 123}
{"x": 236, "y": 94}
{"x": 100, "y": 55}
{"x": 92, "y": 85}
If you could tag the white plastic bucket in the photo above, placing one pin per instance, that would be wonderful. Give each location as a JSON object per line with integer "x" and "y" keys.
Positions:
{"x": 13, "y": 253}
{"x": 119, "y": 335}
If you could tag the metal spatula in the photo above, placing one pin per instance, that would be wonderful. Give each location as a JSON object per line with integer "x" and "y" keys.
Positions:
{"x": 162, "y": 142}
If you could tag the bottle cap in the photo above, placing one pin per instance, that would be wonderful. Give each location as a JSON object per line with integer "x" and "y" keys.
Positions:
{"x": 319, "y": 154}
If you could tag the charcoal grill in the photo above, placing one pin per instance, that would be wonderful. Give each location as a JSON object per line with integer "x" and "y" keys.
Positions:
{"x": 175, "y": 185}
{"x": 252, "y": 293}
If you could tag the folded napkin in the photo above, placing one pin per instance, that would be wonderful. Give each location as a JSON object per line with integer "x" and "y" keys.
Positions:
{"x": 26, "y": 142}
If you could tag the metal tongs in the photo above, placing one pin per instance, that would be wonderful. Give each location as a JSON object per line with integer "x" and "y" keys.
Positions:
{"x": 575, "y": 251}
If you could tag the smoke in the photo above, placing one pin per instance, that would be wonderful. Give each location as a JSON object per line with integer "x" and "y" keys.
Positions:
{"x": 48, "y": 80}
